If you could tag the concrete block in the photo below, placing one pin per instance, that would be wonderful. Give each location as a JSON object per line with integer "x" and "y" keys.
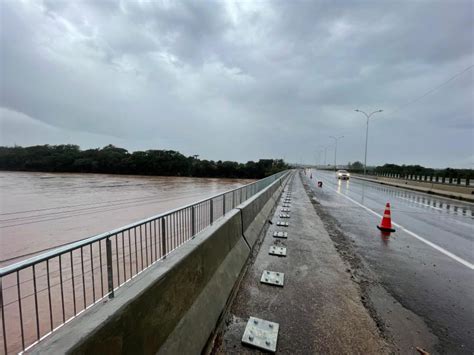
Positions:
{"x": 193, "y": 330}
{"x": 255, "y": 212}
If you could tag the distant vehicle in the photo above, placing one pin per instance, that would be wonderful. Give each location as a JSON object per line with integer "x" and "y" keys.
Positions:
{"x": 343, "y": 175}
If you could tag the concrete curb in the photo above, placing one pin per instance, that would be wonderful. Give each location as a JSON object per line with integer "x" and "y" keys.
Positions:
{"x": 260, "y": 206}
{"x": 447, "y": 194}
{"x": 193, "y": 330}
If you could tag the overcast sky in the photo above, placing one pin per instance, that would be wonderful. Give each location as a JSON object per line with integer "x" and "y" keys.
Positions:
{"x": 242, "y": 80}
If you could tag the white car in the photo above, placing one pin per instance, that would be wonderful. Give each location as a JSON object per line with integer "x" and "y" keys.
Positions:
{"x": 343, "y": 174}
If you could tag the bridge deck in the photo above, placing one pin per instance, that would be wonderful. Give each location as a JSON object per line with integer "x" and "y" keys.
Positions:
{"x": 319, "y": 308}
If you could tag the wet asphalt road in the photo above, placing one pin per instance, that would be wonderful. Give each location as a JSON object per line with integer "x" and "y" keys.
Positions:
{"x": 427, "y": 264}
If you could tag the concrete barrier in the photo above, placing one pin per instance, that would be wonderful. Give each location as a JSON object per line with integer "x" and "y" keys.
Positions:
{"x": 461, "y": 189}
{"x": 174, "y": 306}
{"x": 256, "y": 211}
{"x": 451, "y": 191}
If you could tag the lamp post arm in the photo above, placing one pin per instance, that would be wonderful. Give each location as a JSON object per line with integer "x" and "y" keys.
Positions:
{"x": 367, "y": 135}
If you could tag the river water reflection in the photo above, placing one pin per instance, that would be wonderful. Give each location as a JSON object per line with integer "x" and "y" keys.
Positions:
{"x": 39, "y": 211}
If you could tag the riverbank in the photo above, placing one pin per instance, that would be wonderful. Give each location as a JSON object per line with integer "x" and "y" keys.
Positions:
{"x": 69, "y": 158}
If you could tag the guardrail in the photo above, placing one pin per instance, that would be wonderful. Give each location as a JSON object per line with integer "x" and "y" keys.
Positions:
{"x": 41, "y": 294}
{"x": 429, "y": 178}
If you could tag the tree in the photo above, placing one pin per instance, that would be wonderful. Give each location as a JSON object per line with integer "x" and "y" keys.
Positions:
{"x": 356, "y": 166}
{"x": 114, "y": 160}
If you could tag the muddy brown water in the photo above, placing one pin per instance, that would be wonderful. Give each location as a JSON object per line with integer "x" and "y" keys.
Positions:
{"x": 40, "y": 211}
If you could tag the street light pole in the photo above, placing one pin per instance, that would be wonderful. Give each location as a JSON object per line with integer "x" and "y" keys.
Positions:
{"x": 325, "y": 151}
{"x": 320, "y": 152}
{"x": 325, "y": 154}
{"x": 335, "y": 150}
{"x": 367, "y": 135}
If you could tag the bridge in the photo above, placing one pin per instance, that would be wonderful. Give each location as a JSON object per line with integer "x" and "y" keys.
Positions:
{"x": 279, "y": 265}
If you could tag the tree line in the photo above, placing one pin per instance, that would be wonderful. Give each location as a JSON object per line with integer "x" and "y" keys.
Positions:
{"x": 114, "y": 160}
{"x": 403, "y": 170}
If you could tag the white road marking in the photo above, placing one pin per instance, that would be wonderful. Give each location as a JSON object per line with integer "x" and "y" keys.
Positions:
{"x": 419, "y": 203}
{"x": 414, "y": 235}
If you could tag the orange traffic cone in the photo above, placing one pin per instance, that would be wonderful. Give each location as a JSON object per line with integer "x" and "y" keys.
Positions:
{"x": 386, "y": 224}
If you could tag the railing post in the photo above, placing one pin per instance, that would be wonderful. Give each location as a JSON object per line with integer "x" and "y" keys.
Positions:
{"x": 110, "y": 270}
{"x": 223, "y": 204}
{"x": 5, "y": 346}
{"x": 193, "y": 221}
{"x": 467, "y": 181}
{"x": 211, "y": 211}
{"x": 163, "y": 236}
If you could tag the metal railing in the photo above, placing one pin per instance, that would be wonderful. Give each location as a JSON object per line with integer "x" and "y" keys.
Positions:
{"x": 40, "y": 294}
{"x": 431, "y": 179}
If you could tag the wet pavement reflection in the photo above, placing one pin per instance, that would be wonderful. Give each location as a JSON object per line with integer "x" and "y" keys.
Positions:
{"x": 432, "y": 278}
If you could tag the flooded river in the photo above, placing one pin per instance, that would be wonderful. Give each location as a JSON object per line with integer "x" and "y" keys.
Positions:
{"x": 39, "y": 211}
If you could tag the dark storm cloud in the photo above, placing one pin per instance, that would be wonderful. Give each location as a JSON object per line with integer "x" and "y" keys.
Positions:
{"x": 241, "y": 80}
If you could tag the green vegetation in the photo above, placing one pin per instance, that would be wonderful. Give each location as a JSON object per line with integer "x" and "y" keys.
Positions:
{"x": 358, "y": 167}
{"x": 114, "y": 160}
{"x": 355, "y": 167}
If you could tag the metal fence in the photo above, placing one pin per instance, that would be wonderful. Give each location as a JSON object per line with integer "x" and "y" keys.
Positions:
{"x": 431, "y": 179}
{"x": 41, "y": 294}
